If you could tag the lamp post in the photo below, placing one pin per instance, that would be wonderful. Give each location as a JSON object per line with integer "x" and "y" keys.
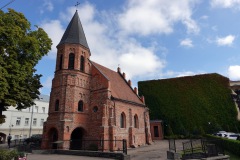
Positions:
{"x": 10, "y": 128}
{"x": 30, "y": 130}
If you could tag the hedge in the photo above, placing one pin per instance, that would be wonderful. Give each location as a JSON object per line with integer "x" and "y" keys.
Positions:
{"x": 232, "y": 146}
{"x": 191, "y": 105}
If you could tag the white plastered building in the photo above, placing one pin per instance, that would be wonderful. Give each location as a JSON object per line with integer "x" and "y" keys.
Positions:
{"x": 26, "y": 122}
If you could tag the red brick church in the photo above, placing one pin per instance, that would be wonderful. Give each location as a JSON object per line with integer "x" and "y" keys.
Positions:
{"x": 90, "y": 101}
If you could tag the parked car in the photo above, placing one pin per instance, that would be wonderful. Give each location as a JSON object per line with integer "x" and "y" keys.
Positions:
{"x": 36, "y": 138}
{"x": 238, "y": 138}
{"x": 230, "y": 135}
{"x": 220, "y": 133}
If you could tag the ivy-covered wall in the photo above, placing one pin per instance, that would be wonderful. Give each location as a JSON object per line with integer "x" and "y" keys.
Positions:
{"x": 191, "y": 105}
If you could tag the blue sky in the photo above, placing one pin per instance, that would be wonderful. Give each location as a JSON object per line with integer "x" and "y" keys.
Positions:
{"x": 151, "y": 39}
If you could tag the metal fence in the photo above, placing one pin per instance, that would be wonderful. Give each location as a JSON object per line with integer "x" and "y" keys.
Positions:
{"x": 85, "y": 144}
{"x": 202, "y": 148}
{"x": 172, "y": 145}
{"x": 93, "y": 145}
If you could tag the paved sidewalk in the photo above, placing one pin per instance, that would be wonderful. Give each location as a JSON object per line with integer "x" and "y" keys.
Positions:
{"x": 61, "y": 157}
{"x": 156, "y": 151}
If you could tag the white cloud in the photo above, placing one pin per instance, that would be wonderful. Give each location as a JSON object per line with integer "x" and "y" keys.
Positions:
{"x": 234, "y": 72}
{"x": 225, "y": 41}
{"x": 47, "y": 5}
{"x": 55, "y": 31}
{"x": 181, "y": 74}
{"x": 140, "y": 61}
{"x": 106, "y": 43}
{"x": 186, "y": 42}
{"x": 47, "y": 84}
{"x": 184, "y": 74}
{"x": 226, "y": 4}
{"x": 204, "y": 17}
{"x": 157, "y": 16}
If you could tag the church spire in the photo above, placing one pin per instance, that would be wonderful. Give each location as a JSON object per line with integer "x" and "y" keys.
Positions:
{"x": 74, "y": 33}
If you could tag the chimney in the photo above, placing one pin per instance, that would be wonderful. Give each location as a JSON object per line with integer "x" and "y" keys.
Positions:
{"x": 136, "y": 90}
{"x": 119, "y": 70}
{"x": 124, "y": 75}
{"x": 130, "y": 82}
{"x": 142, "y": 99}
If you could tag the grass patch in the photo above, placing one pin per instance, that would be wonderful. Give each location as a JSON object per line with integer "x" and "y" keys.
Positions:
{"x": 232, "y": 156}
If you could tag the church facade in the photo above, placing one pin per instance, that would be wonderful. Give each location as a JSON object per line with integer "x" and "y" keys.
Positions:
{"x": 90, "y": 101}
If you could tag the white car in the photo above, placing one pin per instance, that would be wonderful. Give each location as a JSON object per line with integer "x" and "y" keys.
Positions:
{"x": 230, "y": 135}
{"x": 220, "y": 133}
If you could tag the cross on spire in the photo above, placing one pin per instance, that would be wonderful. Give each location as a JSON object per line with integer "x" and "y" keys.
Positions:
{"x": 77, "y": 5}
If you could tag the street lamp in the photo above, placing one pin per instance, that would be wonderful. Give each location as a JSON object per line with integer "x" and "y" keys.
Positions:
{"x": 10, "y": 128}
{"x": 30, "y": 130}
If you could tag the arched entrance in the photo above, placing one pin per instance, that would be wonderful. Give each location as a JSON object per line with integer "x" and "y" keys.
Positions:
{"x": 53, "y": 137}
{"x": 76, "y": 139}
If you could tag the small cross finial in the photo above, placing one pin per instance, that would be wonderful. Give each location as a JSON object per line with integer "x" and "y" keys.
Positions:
{"x": 77, "y": 5}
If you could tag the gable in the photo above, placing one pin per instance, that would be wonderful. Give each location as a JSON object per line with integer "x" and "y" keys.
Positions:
{"x": 118, "y": 86}
{"x": 99, "y": 81}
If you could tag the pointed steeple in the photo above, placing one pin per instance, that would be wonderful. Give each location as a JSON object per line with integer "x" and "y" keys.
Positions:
{"x": 74, "y": 33}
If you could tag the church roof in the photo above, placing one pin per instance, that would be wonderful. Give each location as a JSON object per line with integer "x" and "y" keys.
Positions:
{"x": 74, "y": 33}
{"x": 120, "y": 89}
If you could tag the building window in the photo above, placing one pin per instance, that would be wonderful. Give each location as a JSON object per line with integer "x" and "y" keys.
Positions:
{"x": 95, "y": 109}
{"x": 34, "y": 121}
{"x": 122, "y": 121}
{"x": 16, "y": 137}
{"x": 60, "y": 61}
{"x": 36, "y": 107}
{"x": 57, "y": 105}
{"x": 71, "y": 61}
{"x": 80, "y": 106}
{"x": 82, "y": 64}
{"x": 18, "y": 121}
{"x": 26, "y": 121}
{"x": 136, "y": 123}
{"x": 156, "y": 133}
{"x": 42, "y": 121}
{"x": 43, "y": 109}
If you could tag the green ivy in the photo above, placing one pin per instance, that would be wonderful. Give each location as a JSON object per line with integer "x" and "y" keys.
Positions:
{"x": 194, "y": 104}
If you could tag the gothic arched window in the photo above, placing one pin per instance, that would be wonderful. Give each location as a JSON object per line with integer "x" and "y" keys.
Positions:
{"x": 80, "y": 106}
{"x": 71, "y": 61}
{"x": 82, "y": 64}
{"x": 57, "y": 105}
{"x": 122, "y": 120}
{"x": 136, "y": 123}
{"x": 60, "y": 62}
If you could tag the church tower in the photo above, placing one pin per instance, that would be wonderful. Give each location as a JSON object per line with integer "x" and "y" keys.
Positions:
{"x": 70, "y": 88}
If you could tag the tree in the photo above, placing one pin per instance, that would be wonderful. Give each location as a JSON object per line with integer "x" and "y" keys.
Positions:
{"x": 20, "y": 50}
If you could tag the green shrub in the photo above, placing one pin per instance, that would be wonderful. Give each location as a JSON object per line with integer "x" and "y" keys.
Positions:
{"x": 230, "y": 145}
{"x": 8, "y": 154}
